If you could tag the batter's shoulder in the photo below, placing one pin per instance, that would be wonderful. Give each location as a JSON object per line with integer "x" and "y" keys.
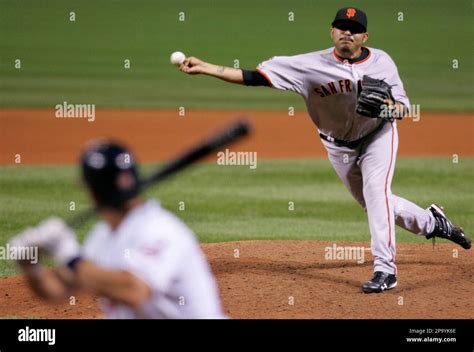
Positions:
{"x": 164, "y": 224}
{"x": 100, "y": 229}
{"x": 95, "y": 240}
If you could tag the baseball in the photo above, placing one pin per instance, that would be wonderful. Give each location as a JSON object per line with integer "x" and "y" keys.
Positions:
{"x": 177, "y": 58}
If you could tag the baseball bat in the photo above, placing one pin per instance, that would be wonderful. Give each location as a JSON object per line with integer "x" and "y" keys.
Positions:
{"x": 228, "y": 135}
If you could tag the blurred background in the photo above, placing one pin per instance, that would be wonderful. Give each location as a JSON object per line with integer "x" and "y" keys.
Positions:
{"x": 83, "y": 60}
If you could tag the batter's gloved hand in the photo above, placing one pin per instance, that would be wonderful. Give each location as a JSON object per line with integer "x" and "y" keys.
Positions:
{"x": 375, "y": 99}
{"x": 53, "y": 236}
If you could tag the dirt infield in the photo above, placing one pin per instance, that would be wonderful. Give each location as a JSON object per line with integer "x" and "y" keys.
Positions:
{"x": 270, "y": 279}
{"x": 39, "y": 137}
{"x": 293, "y": 279}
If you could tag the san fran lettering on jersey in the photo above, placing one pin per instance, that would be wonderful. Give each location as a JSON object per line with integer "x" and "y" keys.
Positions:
{"x": 329, "y": 87}
{"x": 332, "y": 88}
{"x": 37, "y": 335}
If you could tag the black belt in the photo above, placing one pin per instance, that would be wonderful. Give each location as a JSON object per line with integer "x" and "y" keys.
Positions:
{"x": 351, "y": 144}
{"x": 341, "y": 143}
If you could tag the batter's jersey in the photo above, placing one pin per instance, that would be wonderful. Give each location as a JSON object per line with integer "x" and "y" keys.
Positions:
{"x": 329, "y": 86}
{"x": 158, "y": 248}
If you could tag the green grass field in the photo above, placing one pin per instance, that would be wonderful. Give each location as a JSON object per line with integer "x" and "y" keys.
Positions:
{"x": 83, "y": 61}
{"x": 237, "y": 203}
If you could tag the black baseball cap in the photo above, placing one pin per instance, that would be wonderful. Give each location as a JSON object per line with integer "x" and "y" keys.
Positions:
{"x": 111, "y": 173}
{"x": 351, "y": 17}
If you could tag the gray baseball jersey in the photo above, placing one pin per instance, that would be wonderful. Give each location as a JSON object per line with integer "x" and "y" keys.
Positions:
{"x": 156, "y": 246}
{"x": 329, "y": 86}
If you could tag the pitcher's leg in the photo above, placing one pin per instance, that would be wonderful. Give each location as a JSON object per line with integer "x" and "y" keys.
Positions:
{"x": 431, "y": 222}
{"x": 377, "y": 162}
{"x": 345, "y": 163}
{"x": 411, "y": 217}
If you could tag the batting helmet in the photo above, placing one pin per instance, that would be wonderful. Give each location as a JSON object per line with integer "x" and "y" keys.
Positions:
{"x": 110, "y": 172}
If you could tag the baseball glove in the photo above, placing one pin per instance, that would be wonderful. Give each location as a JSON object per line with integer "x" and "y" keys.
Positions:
{"x": 371, "y": 99}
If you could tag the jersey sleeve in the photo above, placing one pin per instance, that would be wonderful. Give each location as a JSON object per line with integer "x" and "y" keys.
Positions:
{"x": 91, "y": 248}
{"x": 283, "y": 72}
{"x": 393, "y": 78}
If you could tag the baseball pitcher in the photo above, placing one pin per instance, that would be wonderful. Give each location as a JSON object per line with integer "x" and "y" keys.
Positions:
{"x": 354, "y": 95}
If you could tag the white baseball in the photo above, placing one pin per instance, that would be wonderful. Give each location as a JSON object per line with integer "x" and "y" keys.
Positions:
{"x": 177, "y": 58}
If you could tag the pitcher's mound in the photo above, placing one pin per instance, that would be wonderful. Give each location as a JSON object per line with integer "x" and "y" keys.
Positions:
{"x": 306, "y": 279}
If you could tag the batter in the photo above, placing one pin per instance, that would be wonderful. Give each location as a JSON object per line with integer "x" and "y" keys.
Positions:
{"x": 141, "y": 260}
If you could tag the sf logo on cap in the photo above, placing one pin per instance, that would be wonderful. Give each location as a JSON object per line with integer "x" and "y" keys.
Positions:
{"x": 350, "y": 12}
